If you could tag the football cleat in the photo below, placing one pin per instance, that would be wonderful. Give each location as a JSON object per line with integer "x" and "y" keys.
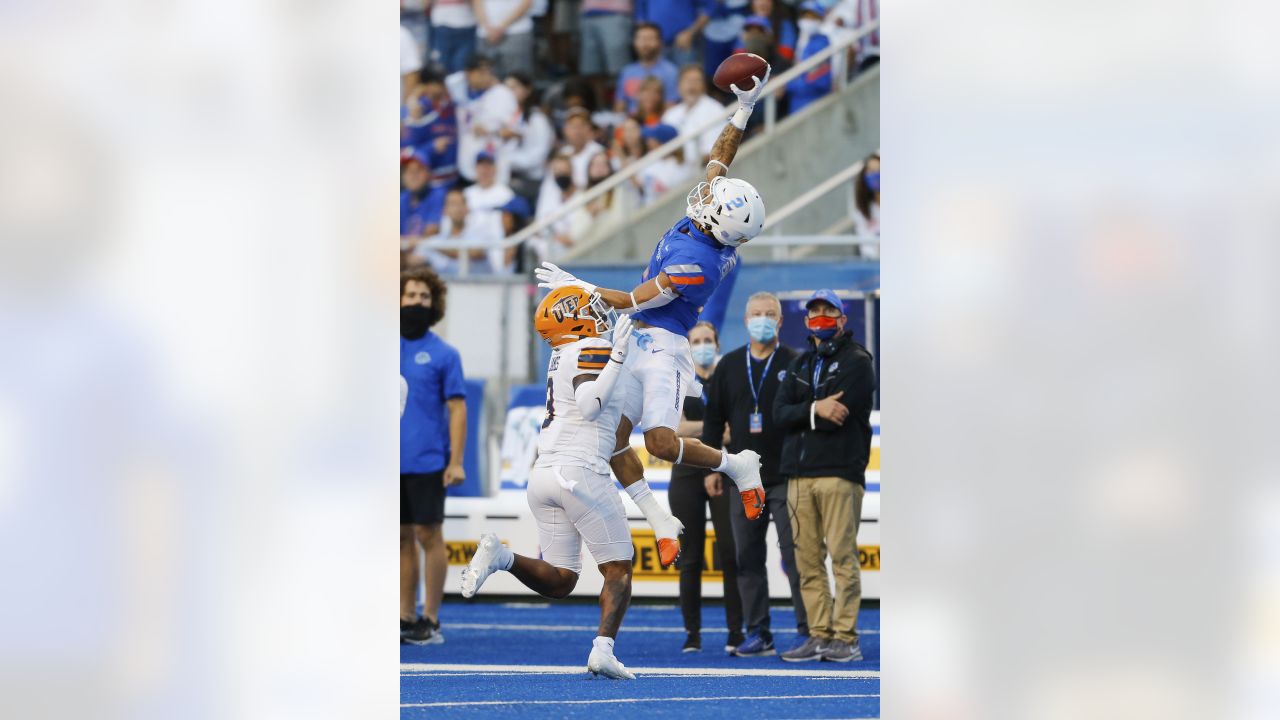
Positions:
{"x": 668, "y": 551}
{"x": 753, "y": 502}
{"x": 482, "y": 564}
{"x": 602, "y": 663}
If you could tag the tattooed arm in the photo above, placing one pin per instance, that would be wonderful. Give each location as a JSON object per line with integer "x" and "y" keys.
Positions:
{"x": 726, "y": 146}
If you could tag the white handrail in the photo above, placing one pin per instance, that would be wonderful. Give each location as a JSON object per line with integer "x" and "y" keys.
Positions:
{"x": 768, "y": 94}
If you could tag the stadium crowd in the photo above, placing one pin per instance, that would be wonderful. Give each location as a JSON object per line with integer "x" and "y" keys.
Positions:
{"x": 510, "y": 108}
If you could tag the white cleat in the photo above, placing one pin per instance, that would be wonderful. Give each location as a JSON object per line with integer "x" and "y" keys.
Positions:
{"x": 602, "y": 663}
{"x": 482, "y": 565}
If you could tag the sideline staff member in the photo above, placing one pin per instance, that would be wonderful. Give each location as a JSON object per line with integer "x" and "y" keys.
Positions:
{"x": 742, "y": 393}
{"x": 433, "y": 435}
{"x": 825, "y": 407}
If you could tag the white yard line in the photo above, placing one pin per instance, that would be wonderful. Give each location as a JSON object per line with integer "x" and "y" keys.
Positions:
{"x": 753, "y": 698}
{"x": 592, "y": 628}
{"x": 408, "y": 668}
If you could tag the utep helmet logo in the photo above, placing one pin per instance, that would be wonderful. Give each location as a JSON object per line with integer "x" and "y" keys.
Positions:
{"x": 565, "y": 307}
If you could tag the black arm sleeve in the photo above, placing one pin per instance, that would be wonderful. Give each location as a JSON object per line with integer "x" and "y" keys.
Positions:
{"x": 791, "y": 407}
{"x": 714, "y": 419}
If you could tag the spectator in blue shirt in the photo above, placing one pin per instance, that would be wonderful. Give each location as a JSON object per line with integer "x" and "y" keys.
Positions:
{"x": 647, "y": 41}
{"x": 430, "y": 125}
{"x": 681, "y": 22}
{"x": 816, "y": 83}
{"x": 720, "y": 35}
{"x": 420, "y": 204}
{"x": 433, "y": 433}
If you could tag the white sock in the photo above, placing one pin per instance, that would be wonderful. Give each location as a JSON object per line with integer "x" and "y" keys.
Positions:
{"x": 645, "y": 500}
{"x": 506, "y": 558}
{"x": 603, "y": 644}
{"x": 724, "y": 462}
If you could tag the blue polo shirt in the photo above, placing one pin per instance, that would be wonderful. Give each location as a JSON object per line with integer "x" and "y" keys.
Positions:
{"x": 670, "y": 15}
{"x": 433, "y": 371}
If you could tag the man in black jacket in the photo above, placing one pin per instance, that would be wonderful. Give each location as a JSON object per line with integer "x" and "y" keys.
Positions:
{"x": 824, "y": 406}
{"x": 741, "y": 392}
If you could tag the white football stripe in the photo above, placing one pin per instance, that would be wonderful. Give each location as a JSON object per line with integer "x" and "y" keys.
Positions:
{"x": 753, "y": 698}
{"x": 581, "y": 669}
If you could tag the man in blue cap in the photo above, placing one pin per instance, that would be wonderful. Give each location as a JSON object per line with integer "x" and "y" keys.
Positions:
{"x": 824, "y": 407}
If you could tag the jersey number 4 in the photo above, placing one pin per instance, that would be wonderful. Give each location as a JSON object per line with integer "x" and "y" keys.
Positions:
{"x": 551, "y": 407}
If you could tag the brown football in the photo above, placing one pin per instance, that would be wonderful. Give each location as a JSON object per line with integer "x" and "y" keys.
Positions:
{"x": 738, "y": 70}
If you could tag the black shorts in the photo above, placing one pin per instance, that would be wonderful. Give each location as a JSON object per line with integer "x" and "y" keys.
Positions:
{"x": 422, "y": 498}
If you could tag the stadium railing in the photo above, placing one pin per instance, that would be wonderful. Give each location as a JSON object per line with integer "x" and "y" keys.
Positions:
{"x": 835, "y": 53}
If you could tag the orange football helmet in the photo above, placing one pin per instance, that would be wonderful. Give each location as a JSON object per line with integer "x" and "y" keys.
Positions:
{"x": 571, "y": 313}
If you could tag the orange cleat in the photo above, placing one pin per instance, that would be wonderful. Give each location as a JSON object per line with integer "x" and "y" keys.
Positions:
{"x": 668, "y": 551}
{"x": 753, "y": 502}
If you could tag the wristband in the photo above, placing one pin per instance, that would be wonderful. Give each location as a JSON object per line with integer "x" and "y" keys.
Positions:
{"x": 711, "y": 162}
{"x": 739, "y": 119}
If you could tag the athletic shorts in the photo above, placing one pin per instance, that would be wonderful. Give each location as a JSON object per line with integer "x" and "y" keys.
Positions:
{"x": 573, "y": 505}
{"x": 422, "y": 498}
{"x": 658, "y": 375}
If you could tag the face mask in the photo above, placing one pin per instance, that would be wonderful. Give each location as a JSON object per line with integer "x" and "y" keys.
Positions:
{"x": 822, "y": 327}
{"x": 873, "y": 181}
{"x": 420, "y": 194}
{"x": 809, "y": 26}
{"x": 704, "y": 354}
{"x": 762, "y": 328}
{"x": 415, "y": 320}
{"x": 563, "y": 181}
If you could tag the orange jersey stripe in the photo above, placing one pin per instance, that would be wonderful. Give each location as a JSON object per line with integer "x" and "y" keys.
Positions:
{"x": 694, "y": 280}
{"x": 591, "y": 365}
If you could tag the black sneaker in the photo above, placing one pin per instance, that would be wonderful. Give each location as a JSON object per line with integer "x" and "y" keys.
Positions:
{"x": 417, "y": 632}
{"x": 736, "y": 638}
{"x": 437, "y": 637}
{"x": 692, "y": 643}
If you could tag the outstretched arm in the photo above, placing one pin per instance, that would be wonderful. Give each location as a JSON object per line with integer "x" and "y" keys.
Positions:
{"x": 726, "y": 146}
{"x": 592, "y": 391}
{"x": 649, "y": 294}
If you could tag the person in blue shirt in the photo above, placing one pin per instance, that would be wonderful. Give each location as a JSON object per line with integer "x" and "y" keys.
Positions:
{"x": 647, "y": 40}
{"x": 429, "y": 124}
{"x": 433, "y": 434}
{"x": 681, "y": 22}
{"x": 421, "y": 204}
{"x": 686, "y": 268}
{"x": 816, "y": 83}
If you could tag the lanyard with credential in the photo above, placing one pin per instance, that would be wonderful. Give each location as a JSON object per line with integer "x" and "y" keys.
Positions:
{"x": 756, "y": 419}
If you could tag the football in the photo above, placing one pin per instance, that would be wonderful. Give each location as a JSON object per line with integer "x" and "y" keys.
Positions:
{"x": 738, "y": 70}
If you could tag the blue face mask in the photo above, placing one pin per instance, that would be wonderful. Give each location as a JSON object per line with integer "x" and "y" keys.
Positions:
{"x": 704, "y": 354}
{"x": 762, "y": 328}
{"x": 873, "y": 181}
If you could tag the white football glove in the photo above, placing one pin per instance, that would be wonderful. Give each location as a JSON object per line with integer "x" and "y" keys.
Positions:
{"x": 553, "y": 278}
{"x": 621, "y": 338}
{"x": 747, "y": 98}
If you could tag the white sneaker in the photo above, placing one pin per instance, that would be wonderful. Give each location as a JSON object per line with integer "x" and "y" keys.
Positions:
{"x": 487, "y": 559}
{"x": 744, "y": 470}
{"x": 602, "y": 663}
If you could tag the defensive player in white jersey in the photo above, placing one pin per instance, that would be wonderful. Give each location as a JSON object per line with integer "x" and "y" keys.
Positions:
{"x": 570, "y": 491}
{"x": 686, "y": 268}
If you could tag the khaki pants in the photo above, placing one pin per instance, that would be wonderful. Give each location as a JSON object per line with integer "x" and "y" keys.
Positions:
{"x": 824, "y": 519}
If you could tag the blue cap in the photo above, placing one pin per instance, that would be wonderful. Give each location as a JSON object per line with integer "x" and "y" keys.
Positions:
{"x": 812, "y": 6}
{"x": 661, "y": 133}
{"x": 758, "y": 21}
{"x": 484, "y": 155}
{"x": 517, "y": 206}
{"x": 826, "y": 295}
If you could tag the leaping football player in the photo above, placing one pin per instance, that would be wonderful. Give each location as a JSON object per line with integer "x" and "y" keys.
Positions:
{"x": 685, "y": 270}
{"x": 570, "y": 492}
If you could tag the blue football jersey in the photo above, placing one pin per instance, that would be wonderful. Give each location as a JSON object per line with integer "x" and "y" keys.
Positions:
{"x": 696, "y": 263}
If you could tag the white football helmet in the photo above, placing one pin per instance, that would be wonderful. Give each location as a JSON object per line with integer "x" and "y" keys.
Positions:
{"x": 728, "y": 208}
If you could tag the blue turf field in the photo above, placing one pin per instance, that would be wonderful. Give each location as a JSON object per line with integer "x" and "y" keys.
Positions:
{"x": 528, "y": 659}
